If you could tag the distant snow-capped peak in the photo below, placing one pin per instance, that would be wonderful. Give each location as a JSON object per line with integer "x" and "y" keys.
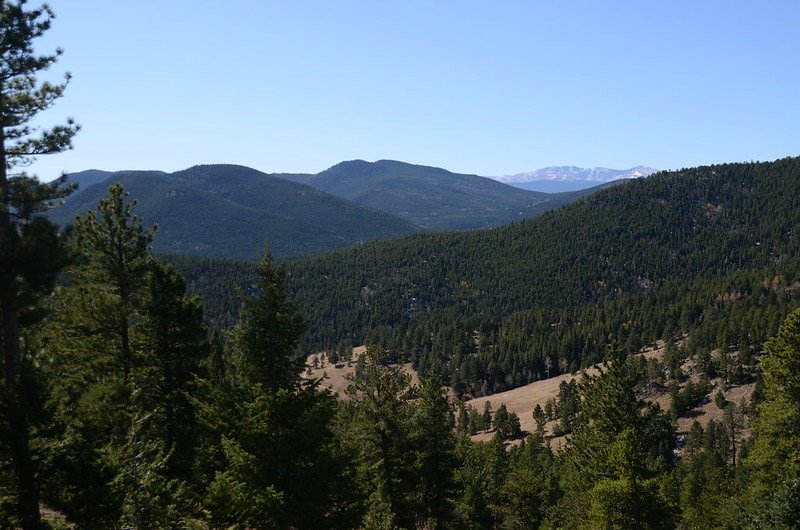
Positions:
{"x": 573, "y": 173}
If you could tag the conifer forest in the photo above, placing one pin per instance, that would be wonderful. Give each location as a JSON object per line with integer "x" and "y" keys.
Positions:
{"x": 367, "y": 386}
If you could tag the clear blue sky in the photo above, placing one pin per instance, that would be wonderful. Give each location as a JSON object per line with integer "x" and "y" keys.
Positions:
{"x": 490, "y": 88}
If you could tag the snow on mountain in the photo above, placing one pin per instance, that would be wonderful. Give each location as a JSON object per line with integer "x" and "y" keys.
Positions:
{"x": 591, "y": 176}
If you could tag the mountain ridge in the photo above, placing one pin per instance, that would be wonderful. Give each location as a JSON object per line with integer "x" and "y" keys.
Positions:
{"x": 431, "y": 197}
{"x": 230, "y": 211}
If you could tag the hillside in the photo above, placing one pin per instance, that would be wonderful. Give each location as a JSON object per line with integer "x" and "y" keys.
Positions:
{"x": 575, "y": 189}
{"x": 433, "y": 198}
{"x": 701, "y": 408}
{"x": 710, "y": 250}
{"x": 228, "y": 211}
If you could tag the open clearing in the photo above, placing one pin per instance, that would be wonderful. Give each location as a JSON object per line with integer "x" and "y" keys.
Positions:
{"x": 524, "y": 399}
{"x": 334, "y": 376}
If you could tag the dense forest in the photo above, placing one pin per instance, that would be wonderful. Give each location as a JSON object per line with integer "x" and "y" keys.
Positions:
{"x": 123, "y": 406}
{"x": 708, "y": 251}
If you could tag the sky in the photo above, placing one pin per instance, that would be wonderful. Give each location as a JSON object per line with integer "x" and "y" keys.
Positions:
{"x": 491, "y": 88}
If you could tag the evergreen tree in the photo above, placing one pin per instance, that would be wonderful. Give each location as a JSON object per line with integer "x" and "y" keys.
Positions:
{"x": 31, "y": 251}
{"x": 267, "y": 333}
{"x": 280, "y": 464}
{"x": 174, "y": 337}
{"x": 702, "y": 487}
{"x": 629, "y": 499}
{"x": 434, "y": 446}
{"x": 486, "y": 416}
{"x": 530, "y": 488}
{"x": 281, "y": 467}
{"x": 108, "y": 281}
{"x": 96, "y": 332}
{"x": 483, "y": 467}
{"x": 506, "y": 423}
{"x": 128, "y": 343}
{"x": 379, "y": 428}
{"x": 774, "y": 461}
{"x": 501, "y": 421}
{"x": 611, "y": 406}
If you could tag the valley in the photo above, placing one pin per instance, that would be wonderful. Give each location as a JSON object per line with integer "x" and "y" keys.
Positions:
{"x": 643, "y": 331}
{"x": 386, "y": 345}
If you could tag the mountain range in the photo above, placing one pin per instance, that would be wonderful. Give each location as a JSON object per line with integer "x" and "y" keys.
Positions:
{"x": 229, "y": 211}
{"x": 433, "y": 198}
{"x": 709, "y": 253}
{"x": 571, "y": 178}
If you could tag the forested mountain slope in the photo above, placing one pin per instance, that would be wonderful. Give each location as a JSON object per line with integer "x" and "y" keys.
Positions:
{"x": 710, "y": 250}
{"x": 432, "y": 197}
{"x": 228, "y": 211}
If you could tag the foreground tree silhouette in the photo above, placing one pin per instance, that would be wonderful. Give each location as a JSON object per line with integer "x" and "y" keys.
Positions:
{"x": 31, "y": 251}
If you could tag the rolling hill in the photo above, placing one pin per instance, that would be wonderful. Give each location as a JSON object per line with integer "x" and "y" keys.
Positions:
{"x": 711, "y": 251}
{"x": 433, "y": 198}
{"x": 228, "y": 211}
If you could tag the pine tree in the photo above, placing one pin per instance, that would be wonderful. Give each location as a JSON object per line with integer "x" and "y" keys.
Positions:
{"x": 774, "y": 461}
{"x": 31, "y": 251}
{"x": 486, "y": 416}
{"x": 434, "y": 446}
{"x": 483, "y": 467}
{"x": 128, "y": 343}
{"x": 629, "y": 499}
{"x": 539, "y": 418}
{"x": 379, "y": 429}
{"x": 530, "y": 487}
{"x": 268, "y": 331}
{"x": 114, "y": 250}
{"x": 611, "y": 406}
{"x": 174, "y": 337}
{"x": 280, "y": 466}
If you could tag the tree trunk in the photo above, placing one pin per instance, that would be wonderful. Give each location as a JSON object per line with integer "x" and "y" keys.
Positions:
{"x": 11, "y": 355}
{"x": 124, "y": 332}
{"x": 24, "y": 468}
{"x": 22, "y": 463}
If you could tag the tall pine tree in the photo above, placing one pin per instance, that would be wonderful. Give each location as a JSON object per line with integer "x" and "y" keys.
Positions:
{"x": 31, "y": 251}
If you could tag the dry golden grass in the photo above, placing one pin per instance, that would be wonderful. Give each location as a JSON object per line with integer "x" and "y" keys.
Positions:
{"x": 524, "y": 399}
{"x": 334, "y": 376}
